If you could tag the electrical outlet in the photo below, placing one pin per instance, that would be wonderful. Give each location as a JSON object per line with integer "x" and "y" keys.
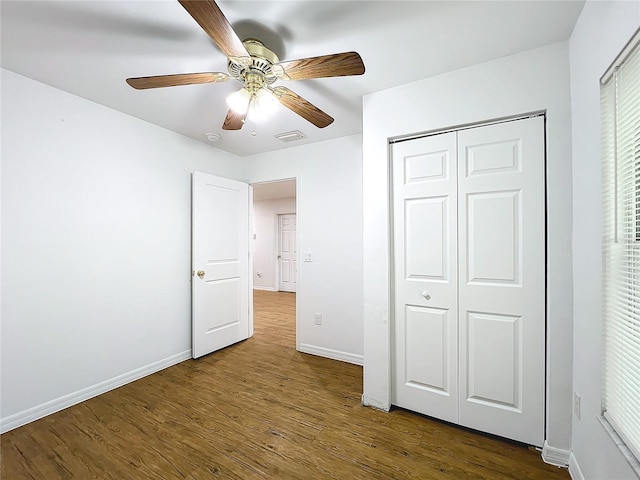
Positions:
{"x": 317, "y": 319}
{"x": 576, "y": 405}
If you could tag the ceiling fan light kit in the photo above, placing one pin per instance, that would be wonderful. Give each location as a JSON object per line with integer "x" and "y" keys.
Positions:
{"x": 263, "y": 106}
{"x": 254, "y": 101}
{"x": 253, "y": 64}
{"x": 256, "y": 105}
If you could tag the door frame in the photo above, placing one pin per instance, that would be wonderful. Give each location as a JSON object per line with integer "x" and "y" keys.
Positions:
{"x": 391, "y": 256}
{"x": 277, "y": 278}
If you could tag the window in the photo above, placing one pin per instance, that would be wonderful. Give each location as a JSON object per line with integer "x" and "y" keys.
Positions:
{"x": 620, "y": 123}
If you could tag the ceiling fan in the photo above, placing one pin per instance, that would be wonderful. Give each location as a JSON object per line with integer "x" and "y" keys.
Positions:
{"x": 257, "y": 67}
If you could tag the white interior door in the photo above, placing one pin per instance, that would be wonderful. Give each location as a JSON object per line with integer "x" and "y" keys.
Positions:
{"x": 469, "y": 278}
{"x": 502, "y": 271}
{"x": 426, "y": 276}
{"x": 287, "y": 253}
{"x": 220, "y": 255}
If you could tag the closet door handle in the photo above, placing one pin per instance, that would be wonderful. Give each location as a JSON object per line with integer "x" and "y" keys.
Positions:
{"x": 426, "y": 295}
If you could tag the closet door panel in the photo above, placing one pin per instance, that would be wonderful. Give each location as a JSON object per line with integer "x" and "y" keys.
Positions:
{"x": 425, "y": 276}
{"x": 494, "y": 249}
{"x": 502, "y": 271}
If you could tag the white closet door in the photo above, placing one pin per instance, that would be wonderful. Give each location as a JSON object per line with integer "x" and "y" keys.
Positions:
{"x": 469, "y": 278}
{"x": 502, "y": 279}
{"x": 425, "y": 252}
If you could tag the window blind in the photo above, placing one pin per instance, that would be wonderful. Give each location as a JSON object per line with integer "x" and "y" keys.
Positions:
{"x": 620, "y": 123}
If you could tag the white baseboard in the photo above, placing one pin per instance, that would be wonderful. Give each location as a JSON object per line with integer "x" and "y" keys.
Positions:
{"x": 333, "y": 354}
{"x": 26, "y": 416}
{"x": 555, "y": 456}
{"x": 266, "y": 289}
{"x": 574, "y": 468}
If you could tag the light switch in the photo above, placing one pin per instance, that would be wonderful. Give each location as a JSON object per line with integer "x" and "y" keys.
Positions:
{"x": 306, "y": 257}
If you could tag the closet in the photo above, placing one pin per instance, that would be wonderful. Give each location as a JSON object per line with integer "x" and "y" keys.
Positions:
{"x": 469, "y": 277}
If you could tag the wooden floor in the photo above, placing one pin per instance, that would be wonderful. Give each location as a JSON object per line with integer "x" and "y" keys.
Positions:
{"x": 258, "y": 409}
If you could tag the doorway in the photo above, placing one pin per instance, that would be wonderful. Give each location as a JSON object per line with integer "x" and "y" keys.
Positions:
{"x": 274, "y": 247}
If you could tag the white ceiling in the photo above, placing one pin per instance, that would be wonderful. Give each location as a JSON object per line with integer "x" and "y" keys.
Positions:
{"x": 88, "y": 48}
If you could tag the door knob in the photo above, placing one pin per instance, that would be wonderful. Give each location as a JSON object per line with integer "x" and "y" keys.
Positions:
{"x": 200, "y": 273}
{"x": 426, "y": 295}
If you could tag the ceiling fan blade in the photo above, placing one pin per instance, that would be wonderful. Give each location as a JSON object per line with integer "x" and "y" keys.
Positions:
{"x": 302, "y": 107}
{"x": 209, "y": 16}
{"x": 335, "y": 65}
{"x": 141, "y": 83}
{"x": 234, "y": 121}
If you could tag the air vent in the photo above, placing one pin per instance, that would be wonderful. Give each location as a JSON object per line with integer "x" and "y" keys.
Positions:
{"x": 290, "y": 136}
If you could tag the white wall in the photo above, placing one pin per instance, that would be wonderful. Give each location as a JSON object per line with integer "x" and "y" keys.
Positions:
{"x": 530, "y": 81}
{"x": 600, "y": 34}
{"x": 265, "y": 218}
{"x": 96, "y": 209}
{"x": 329, "y": 213}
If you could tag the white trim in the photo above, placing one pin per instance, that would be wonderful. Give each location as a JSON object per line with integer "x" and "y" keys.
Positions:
{"x": 574, "y": 468}
{"x": 298, "y": 237}
{"x": 467, "y": 126}
{"x": 555, "y": 456}
{"x": 266, "y": 289}
{"x": 333, "y": 354}
{"x": 373, "y": 403}
{"x": 249, "y": 263}
{"x": 275, "y": 253}
{"x": 621, "y": 444}
{"x": 53, "y": 406}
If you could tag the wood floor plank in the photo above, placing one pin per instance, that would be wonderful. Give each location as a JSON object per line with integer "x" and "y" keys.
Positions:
{"x": 258, "y": 409}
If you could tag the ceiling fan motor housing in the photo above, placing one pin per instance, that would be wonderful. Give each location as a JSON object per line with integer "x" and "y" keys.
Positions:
{"x": 260, "y": 72}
